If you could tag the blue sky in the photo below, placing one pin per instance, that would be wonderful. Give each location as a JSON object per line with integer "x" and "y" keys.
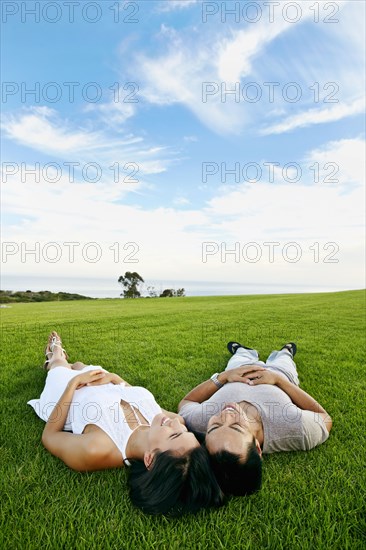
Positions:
{"x": 181, "y": 137}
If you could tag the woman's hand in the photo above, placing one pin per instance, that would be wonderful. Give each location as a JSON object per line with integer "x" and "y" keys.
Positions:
{"x": 86, "y": 378}
{"x": 94, "y": 378}
{"x": 109, "y": 377}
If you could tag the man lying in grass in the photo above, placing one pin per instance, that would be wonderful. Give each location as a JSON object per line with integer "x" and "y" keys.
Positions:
{"x": 114, "y": 423}
{"x": 253, "y": 408}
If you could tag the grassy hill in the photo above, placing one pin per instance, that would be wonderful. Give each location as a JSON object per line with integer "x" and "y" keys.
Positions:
{"x": 308, "y": 500}
{"x": 10, "y": 296}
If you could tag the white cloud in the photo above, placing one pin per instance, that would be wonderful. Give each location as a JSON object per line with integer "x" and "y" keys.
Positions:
{"x": 182, "y": 72}
{"x": 178, "y": 77}
{"x": 43, "y": 130}
{"x": 112, "y": 114}
{"x": 308, "y": 210}
{"x": 181, "y": 201}
{"x": 262, "y": 211}
{"x": 171, "y": 5}
{"x": 317, "y": 116}
{"x": 170, "y": 240}
{"x": 226, "y": 54}
{"x": 238, "y": 51}
{"x": 346, "y": 158}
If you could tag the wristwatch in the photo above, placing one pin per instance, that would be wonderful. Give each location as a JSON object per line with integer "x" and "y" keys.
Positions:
{"x": 216, "y": 381}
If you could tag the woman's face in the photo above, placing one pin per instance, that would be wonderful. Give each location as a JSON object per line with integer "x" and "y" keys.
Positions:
{"x": 229, "y": 430}
{"x": 167, "y": 434}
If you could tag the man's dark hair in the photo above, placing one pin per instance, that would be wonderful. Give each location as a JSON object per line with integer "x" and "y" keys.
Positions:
{"x": 174, "y": 484}
{"x": 236, "y": 477}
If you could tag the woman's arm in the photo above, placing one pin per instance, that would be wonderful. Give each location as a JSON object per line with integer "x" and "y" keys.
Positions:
{"x": 57, "y": 419}
{"x": 79, "y": 452}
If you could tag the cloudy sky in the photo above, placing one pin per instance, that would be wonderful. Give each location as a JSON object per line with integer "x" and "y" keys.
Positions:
{"x": 185, "y": 140}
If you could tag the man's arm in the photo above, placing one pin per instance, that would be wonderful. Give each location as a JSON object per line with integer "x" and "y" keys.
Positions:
{"x": 298, "y": 396}
{"x": 303, "y": 400}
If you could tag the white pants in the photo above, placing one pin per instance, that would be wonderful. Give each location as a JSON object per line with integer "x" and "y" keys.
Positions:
{"x": 278, "y": 361}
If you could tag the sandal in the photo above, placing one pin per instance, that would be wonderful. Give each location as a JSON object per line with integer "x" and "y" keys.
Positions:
{"x": 53, "y": 342}
{"x": 291, "y": 347}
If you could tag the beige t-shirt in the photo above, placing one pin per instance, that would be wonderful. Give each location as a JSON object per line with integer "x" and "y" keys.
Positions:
{"x": 285, "y": 426}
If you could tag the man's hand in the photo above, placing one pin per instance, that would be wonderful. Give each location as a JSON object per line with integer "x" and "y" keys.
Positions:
{"x": 261, "y": 376}
{"x": 241, "y": 374}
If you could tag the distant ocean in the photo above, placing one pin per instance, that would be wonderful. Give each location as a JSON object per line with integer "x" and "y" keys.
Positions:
{"x": 109, "y": 288}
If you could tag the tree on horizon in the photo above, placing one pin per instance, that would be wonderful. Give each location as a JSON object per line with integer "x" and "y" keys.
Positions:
{"x": 130, "y": 281}
{"x": 171, "y": 293}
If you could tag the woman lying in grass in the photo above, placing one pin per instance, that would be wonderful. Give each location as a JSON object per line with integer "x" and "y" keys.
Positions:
{"x": 115, "y": 424}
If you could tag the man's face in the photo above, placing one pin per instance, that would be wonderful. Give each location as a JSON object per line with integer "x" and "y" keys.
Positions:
{"x": 230, "y": 430}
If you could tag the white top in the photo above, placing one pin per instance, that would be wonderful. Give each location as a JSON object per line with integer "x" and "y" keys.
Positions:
{"x": 101, "y": 406}
{"x": 98, "y": 405}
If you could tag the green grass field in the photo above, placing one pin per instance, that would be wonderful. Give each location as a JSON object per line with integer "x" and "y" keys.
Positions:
{"x": 312, "y": 500}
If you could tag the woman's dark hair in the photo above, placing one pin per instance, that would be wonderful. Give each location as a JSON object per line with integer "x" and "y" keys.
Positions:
{"x": 174, "y": 484}
{"x": 236, "y": 477}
